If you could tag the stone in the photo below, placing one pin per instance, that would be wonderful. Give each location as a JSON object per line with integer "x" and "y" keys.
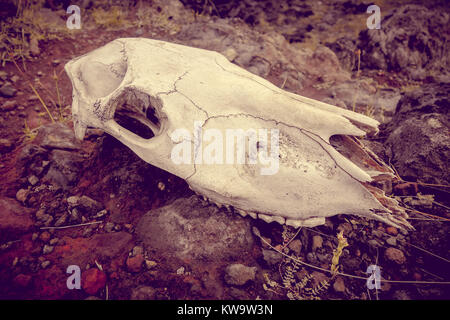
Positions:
{"x": 180, "y": 271}
{"x": 22, "y": 195}
{"x": 57, "y": 136}
{"x": 109, "y": 227}
{"x": 339, "y": 285}
{"x": 150, "y": 264}
{"x": 392, "y": 231}
{"x": 34, "y": 46}
{"x": 137, "y": 250}
{"x": 47, "y": 249}
{"x": 5, "y": 145}
{"x": 395, "y": 255}
{"x": 373, "y": 243}
{"x": 317, "y": 242}
{"x": 238, "y": 274}
{"x": 93, "y": 280}
{"x": 15, "y": 220}
{"x": 391, "y": 241}
{"x": 143, "y": 293}
{"x": 346, "y": 227}
{"x": 64, "y": 169}
{"x": 401, "y": 295}
{"x": 296, "y": 246}
{"x": 272, "y": 258}
{"x": 61, "y": 220}
{"x": 187, "y": 229}
{"x": 7, "y": 91}
{"x": 33, "y": 180}
{"x": 418, "y": 137}
{"x": 85, "y": 204}
{"x": 410, "y": 41}
{"x": 45, "y": 236}
{"x": 134, "y": 264}
{"x": 319, "y": 277}
{"x": 8, "y": 105}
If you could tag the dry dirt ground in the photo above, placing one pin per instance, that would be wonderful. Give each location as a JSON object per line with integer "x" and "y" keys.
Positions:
{"x": 42, "y": 167}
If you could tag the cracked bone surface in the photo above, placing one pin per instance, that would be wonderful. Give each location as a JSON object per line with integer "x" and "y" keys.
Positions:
{"x": 146, "y": 92}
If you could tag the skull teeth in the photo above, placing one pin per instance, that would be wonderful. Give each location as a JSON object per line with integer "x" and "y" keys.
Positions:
{"x": 265, "y": 217}
{"x": 270, "y": 219}
{"x": 242, "y": 212}
{"x": 252, "y": 214}
{"x": 294, "y": 223}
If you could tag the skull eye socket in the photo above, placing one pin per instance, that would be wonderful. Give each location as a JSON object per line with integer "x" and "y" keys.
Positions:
{"x": 138, "y": 113}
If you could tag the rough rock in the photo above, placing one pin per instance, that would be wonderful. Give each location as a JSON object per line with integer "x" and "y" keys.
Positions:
{"x": 272, "y": 258}
{"x": 317, "y": 242}
{"x": 34, "y": 47}
{"x": 93, "y": 280}
{"x": 64, "y": 168}
{"x": 134, "y": 264}
{"x": 143, "y": 293}
{"x": 392, "y": 231}
{"x": 8, "y": 105}
{"x": 30, "y": 160}
{"x": 260, "y": 53}
{"x": 57, "y": 136}
{"x": 339, "y": 285}
{"x": 412, "y": 39}
{"x": 237, "y": 274}
{"x": 22, "y": 195}
{"x": 7, "y": 91}
{"x": 395, "y": 255}
{"x": 296, "y": 246}
{"x": 418, "y": 137}
{"x": 15, "y": 220}
{"x": 85, "y": 204}
{"x": 47, "y": 249}
{"x": 187, "y": 229}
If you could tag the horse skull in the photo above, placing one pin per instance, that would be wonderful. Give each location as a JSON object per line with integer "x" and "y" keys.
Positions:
{"x": 186, "y": 99}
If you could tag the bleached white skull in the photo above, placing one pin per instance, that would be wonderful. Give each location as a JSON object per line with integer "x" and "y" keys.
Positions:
{"x": 184, "y": 99}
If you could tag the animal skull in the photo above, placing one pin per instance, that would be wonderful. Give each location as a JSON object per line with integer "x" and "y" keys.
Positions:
{"x": 180, "y": 92}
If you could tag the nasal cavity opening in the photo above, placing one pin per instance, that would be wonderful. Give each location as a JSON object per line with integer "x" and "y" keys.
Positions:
{"x": 138, "y": 113}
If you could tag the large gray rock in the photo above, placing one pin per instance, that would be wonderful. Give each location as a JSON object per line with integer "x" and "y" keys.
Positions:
{"x": 418, "y": 137}
{"x": 189, "y": 229}
{"x": 412, "y": 39}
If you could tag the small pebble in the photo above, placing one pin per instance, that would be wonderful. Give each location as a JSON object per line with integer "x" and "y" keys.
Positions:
{"x": 22, "y": 195}
{"x": 109, "y": 227}
{"x": 395, "y": 255}
{"x": 317, "y": 242}
{"x": 45, "y": 236}
{"x": 33, "y": 180}
{"x": 180, "y": 271}
{"x": 47, "y": 249}
{"x": 150, "y": 264}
